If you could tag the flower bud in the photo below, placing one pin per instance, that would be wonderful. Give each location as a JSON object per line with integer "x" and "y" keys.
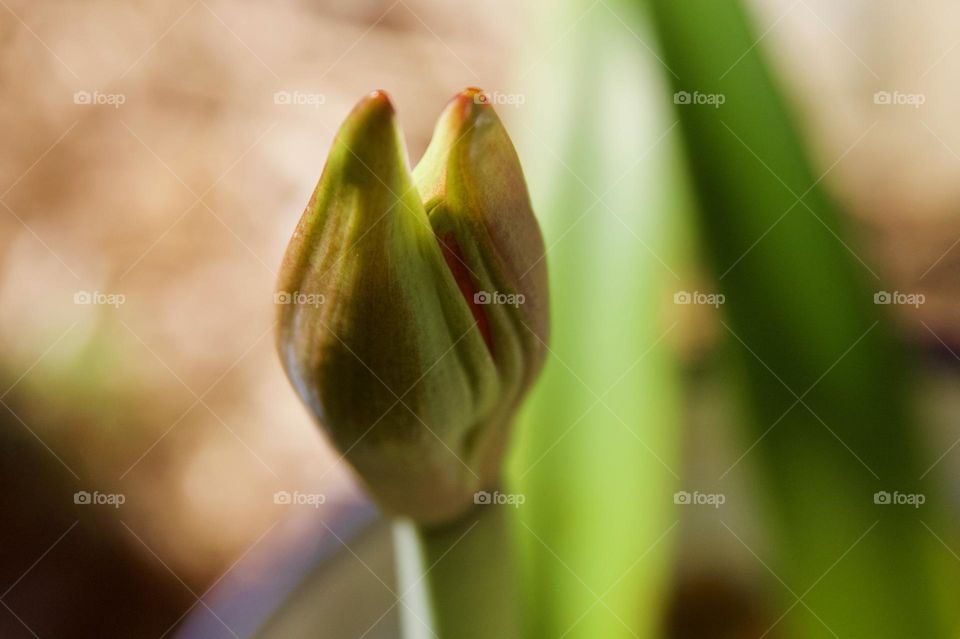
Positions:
{"x": 414, "y": 306}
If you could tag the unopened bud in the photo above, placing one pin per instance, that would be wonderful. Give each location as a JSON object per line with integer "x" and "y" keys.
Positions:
{"x": 433, "y": 319}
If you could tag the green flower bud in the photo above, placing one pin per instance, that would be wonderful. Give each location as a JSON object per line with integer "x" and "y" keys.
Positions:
{"x": 413, "y": 312}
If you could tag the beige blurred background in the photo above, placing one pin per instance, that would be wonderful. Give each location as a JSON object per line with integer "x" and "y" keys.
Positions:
{"x": 156, "y": 157}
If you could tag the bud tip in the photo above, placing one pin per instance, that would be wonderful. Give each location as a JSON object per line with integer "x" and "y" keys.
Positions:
{"x": 376, "y": 103}
{"x": 468, "y": 104}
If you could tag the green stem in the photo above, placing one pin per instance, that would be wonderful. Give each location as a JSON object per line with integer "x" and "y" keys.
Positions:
{"x": 459, "y": 581}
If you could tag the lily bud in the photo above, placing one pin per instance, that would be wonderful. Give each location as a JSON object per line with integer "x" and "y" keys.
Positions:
{"x": 413, "y": 312}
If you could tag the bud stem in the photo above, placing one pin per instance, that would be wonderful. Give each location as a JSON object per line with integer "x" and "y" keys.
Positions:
{"x": 459, "y": 581}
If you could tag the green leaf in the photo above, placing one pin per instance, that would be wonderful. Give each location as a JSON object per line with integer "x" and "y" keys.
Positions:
{"x": 827, "y": 382}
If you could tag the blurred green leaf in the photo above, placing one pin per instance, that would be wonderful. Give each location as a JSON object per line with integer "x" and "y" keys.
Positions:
{"x": 598, "y": 457}
{"x": 826, "y": 380}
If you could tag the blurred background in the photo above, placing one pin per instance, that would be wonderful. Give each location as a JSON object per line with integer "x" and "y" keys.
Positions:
{"x": 156, "y": 159}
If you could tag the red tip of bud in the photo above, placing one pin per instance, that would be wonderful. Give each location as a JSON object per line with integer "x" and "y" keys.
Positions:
{"x": 375, "y": 103}
{"x": 380, "y": 96}
{"x": 466, "y": 103}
